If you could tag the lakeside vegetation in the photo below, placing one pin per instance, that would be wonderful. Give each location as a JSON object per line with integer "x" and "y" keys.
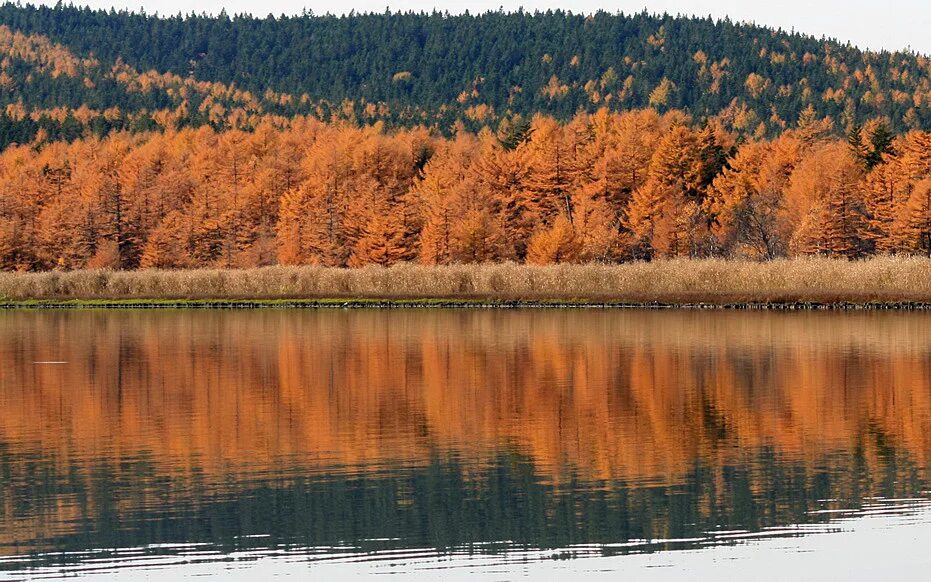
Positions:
{"x": 632, "y": 138}
{"x": 879, "y": 281}
{"x": 823, "y": 152}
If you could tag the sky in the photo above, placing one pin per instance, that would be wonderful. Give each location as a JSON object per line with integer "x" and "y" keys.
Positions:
{"x": 872, "y": 24}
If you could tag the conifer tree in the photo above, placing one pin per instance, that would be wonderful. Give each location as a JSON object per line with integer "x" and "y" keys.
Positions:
{"x": 885, "y": 192}
{"x": 831, "y": 213}
{"x": 916, "y": 231}
{"x": 552, "y": 170}
{"x": 555, "y": 243}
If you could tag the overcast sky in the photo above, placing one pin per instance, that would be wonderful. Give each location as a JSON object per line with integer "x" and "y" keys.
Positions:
{"x": 895, "y": 24}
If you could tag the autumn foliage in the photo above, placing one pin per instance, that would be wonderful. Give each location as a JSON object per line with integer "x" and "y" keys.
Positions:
{"x": 604, "y": 187}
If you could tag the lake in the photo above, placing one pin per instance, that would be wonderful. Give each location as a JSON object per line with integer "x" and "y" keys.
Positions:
{"x": 480, "y": 444}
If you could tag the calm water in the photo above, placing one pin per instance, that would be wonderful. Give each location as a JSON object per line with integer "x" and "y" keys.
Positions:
{"x": 464, "y": 444}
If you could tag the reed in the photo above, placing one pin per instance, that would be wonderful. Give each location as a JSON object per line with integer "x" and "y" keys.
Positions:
{"x": 809, "y": 280}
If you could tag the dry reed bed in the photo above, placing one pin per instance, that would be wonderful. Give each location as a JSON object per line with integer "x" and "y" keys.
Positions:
{"x": 816, "y": 280}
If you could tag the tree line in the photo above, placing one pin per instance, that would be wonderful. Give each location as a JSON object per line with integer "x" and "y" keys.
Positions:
{"x": 602, "y": 187}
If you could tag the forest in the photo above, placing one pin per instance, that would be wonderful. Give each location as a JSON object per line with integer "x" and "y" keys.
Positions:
{"x": 562, "y": 139}
{"x": 118, "y": 70}
{"x": 605, "y": 187}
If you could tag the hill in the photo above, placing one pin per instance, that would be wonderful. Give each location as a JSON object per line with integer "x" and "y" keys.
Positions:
{"x": 436, "y": 70}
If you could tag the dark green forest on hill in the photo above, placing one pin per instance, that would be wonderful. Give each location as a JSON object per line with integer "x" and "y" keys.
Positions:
{"x": 436, "y": 69}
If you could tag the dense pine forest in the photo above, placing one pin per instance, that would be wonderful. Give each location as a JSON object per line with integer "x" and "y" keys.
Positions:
{"x": 436, "y": 69}
{"x": 133, "y": 141}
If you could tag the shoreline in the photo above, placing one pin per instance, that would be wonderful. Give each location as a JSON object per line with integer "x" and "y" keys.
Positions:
{"x": 902, "y": 283}
{"x": 453, "y": 303}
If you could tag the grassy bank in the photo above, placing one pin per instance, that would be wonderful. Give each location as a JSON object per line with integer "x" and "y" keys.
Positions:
{"x": 879, "y": 281}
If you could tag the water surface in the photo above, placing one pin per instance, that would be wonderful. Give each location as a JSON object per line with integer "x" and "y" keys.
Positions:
{"x": 462, "y": 443}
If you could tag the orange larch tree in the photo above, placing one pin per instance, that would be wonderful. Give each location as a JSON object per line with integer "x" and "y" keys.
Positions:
{"x": 555, "y": 243}
{"x": 500, "y": 174}
{"x": 553, "y": 169}
{"x": 916, "y": 224}
{"x": 824, "y": 192}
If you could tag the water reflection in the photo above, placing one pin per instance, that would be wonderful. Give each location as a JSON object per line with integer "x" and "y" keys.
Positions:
{"x": 330, "y": 433}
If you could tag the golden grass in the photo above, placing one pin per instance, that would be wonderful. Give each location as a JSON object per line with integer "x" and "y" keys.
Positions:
{"x": 815, "y": 280}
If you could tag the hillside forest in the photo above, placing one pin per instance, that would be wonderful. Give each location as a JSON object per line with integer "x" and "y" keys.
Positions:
{"x": 108, "y": 164}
